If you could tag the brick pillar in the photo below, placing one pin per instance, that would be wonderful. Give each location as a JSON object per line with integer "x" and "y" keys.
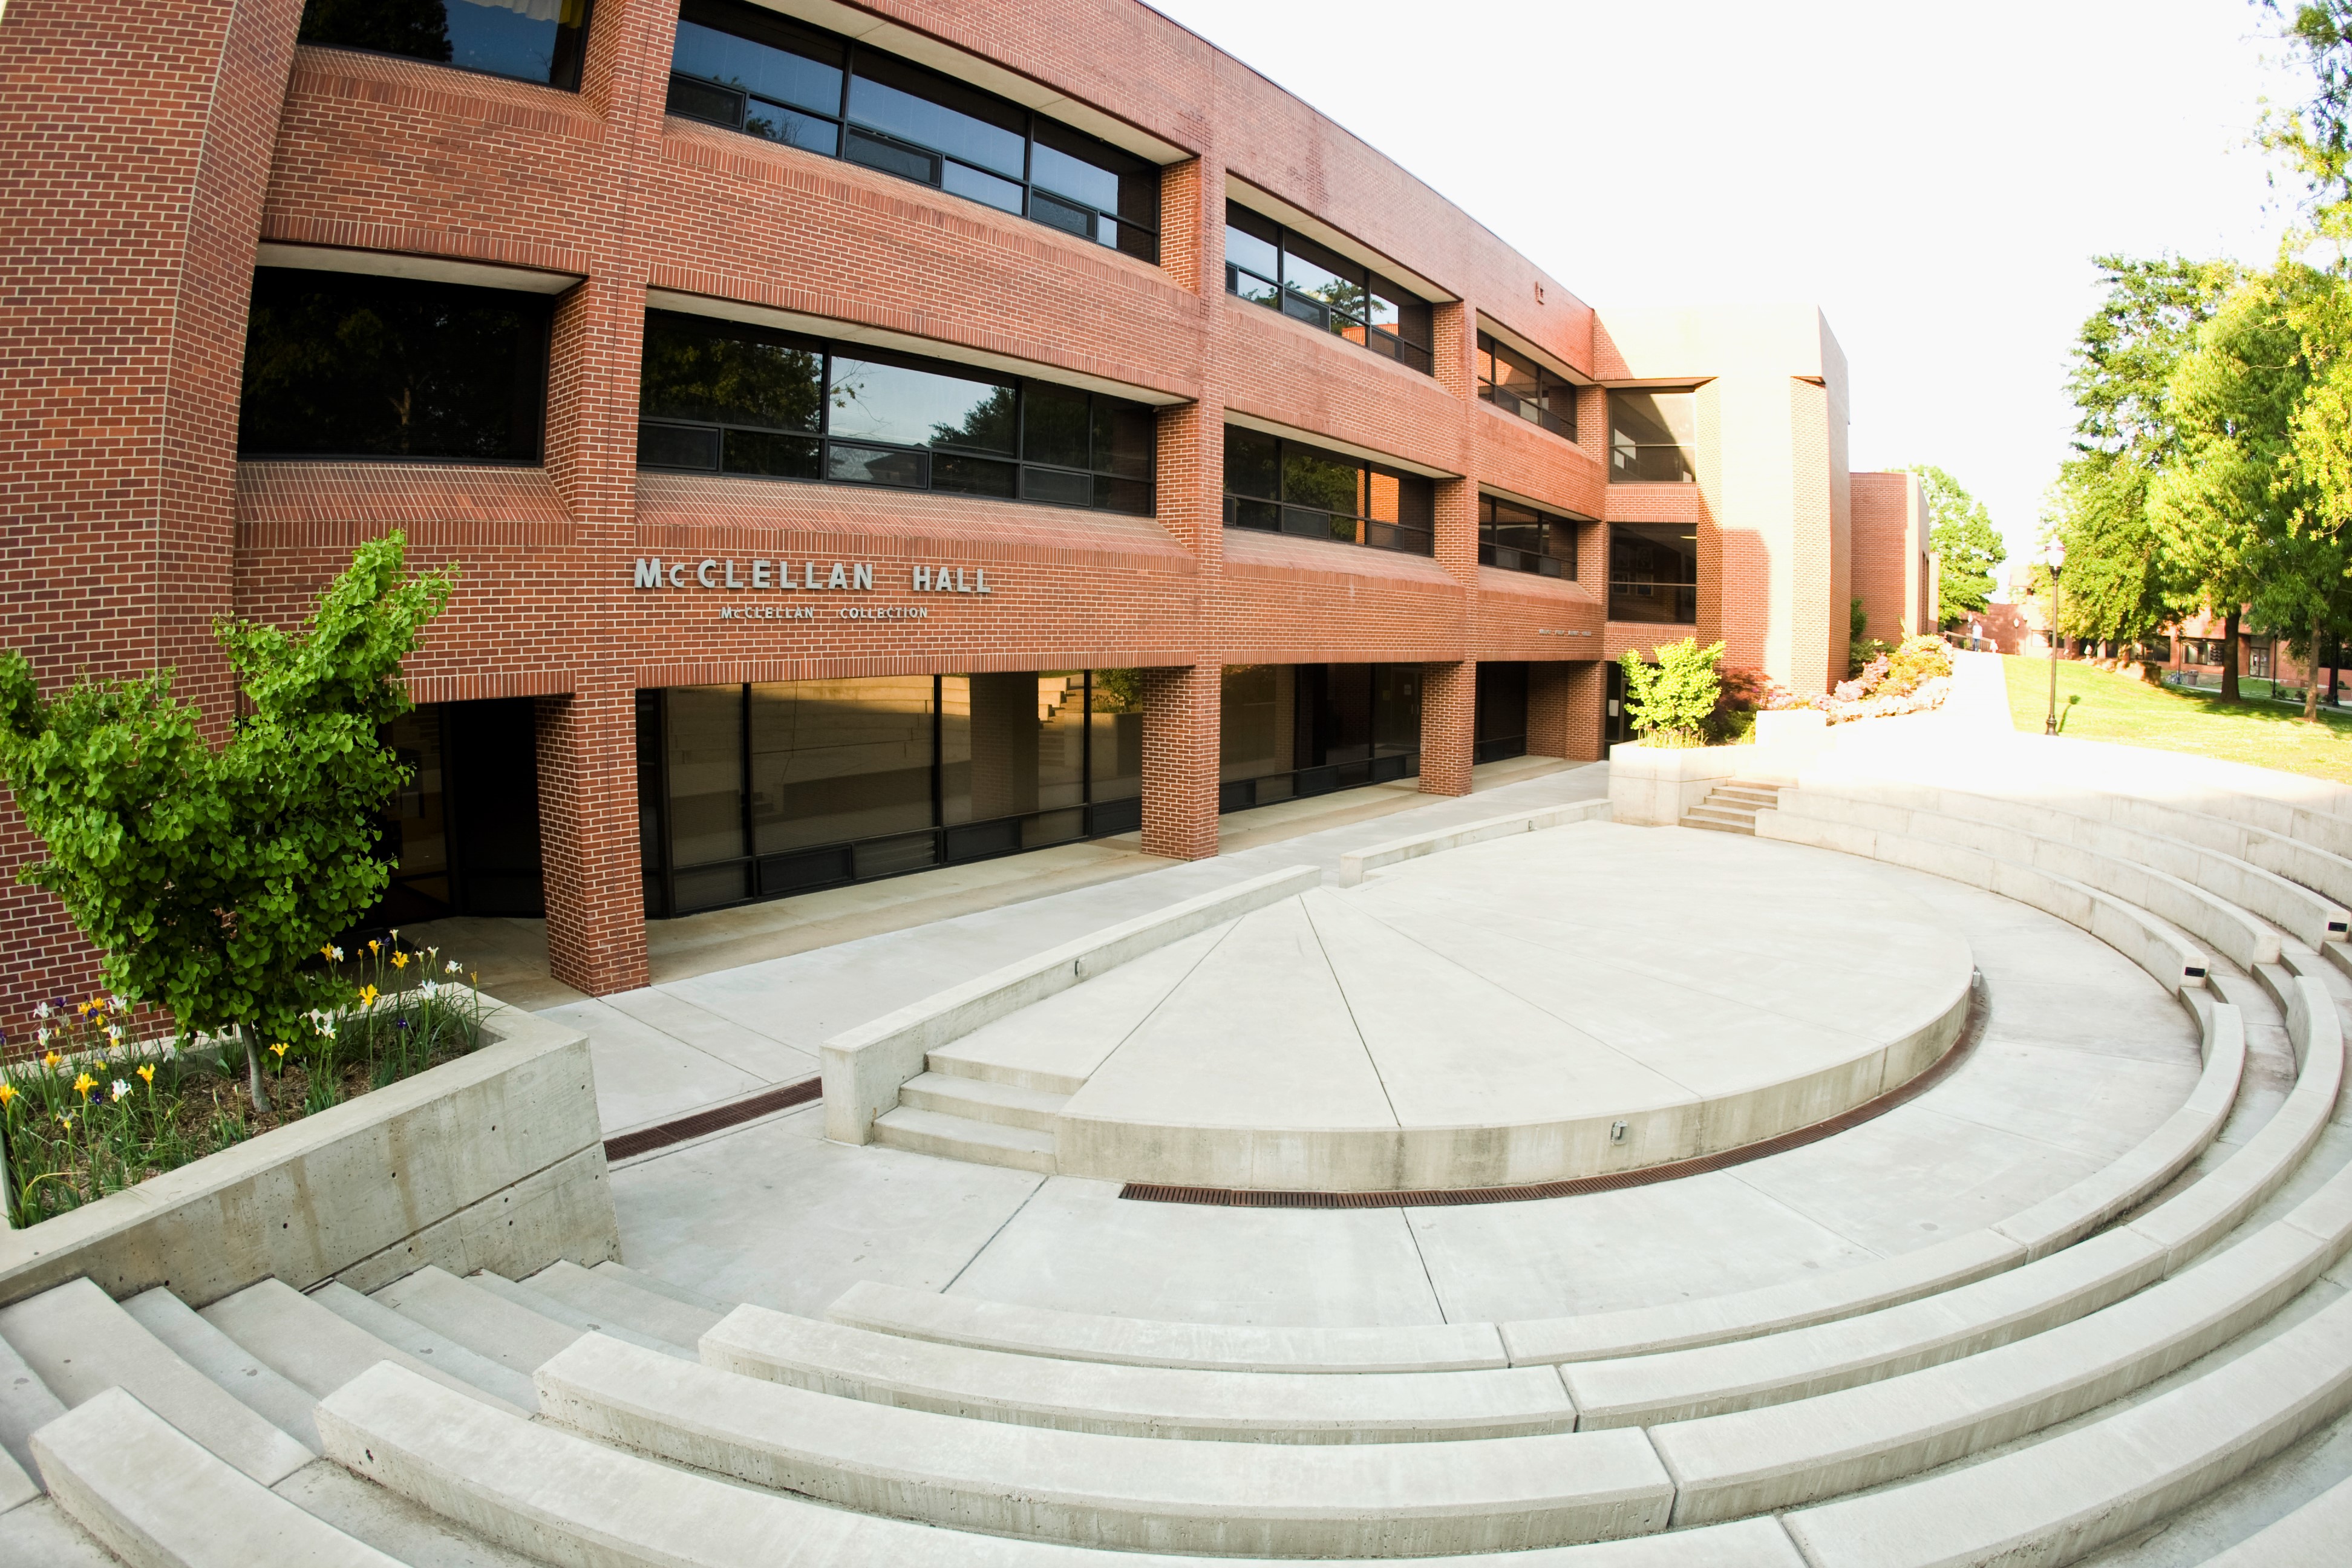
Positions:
{"x": 1588, "y": 696}
{"x": 1548, "y": 731}
{"x": 1448, "y": 711}
{"x": 1180, "y": 714}
{"x": 588, "y": 838}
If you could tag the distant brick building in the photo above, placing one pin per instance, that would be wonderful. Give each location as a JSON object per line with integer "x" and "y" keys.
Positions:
{"x": 873, "y": 436}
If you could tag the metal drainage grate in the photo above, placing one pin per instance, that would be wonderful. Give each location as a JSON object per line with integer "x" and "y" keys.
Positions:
{"x": 735, "y": 1112}
{"x": 1972, "y": 1032}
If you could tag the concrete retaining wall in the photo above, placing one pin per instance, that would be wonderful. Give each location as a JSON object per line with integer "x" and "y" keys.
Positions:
{"x": 864, "y": 1067}
{"x": 495, "y": 1161}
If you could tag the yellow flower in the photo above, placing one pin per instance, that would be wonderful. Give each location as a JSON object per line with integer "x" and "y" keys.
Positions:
{"x": 281, "y": 1048}
{"x": 84, "y": 1084}
{"x": 367, "y": 995}
{"x": 148, "y": 1074}
{"x": 327, "y": 953}
{"x": 51, "y": 1060}
{"x": 7, "y": 1093}
{"x": 400, "y": 961}
{"x": 374, "y": 946}
{"x": 65, "y": 1120}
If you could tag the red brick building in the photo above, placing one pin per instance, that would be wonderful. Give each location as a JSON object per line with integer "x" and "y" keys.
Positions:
{"x": 873, "y": 437}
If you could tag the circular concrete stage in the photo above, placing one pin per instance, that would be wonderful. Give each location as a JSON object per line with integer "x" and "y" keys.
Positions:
{"x": 1571, "y": 1002}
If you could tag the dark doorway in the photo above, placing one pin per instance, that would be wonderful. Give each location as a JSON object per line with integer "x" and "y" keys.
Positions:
{"x": 1499, "y": 726}
{"x": 463, "y": 833}
{"x": 1616, "y": 728}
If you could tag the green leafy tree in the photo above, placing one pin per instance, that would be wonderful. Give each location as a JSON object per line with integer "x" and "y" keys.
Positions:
{"x": 2315, "y": 138}
{"x": 211, "y": 878}
{"x": 1673, "y": 698}
{"x": 1962, "y": 537}
{"x": 2227, "y": 500}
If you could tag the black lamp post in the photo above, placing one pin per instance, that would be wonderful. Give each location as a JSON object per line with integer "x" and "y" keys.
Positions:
{"x": 2056, "y": 559}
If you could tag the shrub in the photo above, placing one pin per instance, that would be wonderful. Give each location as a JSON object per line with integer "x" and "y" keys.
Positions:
{"x": 1670, "y": 702}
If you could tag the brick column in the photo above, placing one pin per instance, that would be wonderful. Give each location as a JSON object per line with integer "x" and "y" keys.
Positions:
{"x": 1547, "y": 701}
{"x": 588, "y": 837}
{"x": 1448, "y": 711}
{"x": 1588, "y": 696}
{"x": 1180, "y": 714}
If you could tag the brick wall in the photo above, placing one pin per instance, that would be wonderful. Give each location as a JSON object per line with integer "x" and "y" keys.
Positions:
{"x": 153, "y": 148}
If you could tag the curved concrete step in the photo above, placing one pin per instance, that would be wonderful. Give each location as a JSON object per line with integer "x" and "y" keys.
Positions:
{"x": 1380, "y": 1499}
{"x": 950, "y": 1137}
{"x": 655, "y": 1284}
{"x": 399, "y": 1527}
{"x": 2061, "y": 1499}
{"x": 2318, "y": 1532}
{"x": 984, "y": 1099}
{"x": 557, "y": 1311}
{"x": 614, "y": 1298}
{"x": 156, "y": 1497}
{"x": 1132, "y": 1401}
{"x": 26, "y": 1406}
{"x": 488, "y": 1324}
{"x": 536, "y": 1487}
{"x": 249, "y": 1379}
{"x": 1781, "y": 1455}
{"x": 40, "y": 1534}
{"x": 320, "y": 1343}
{"x": 80, "y": 1343}
{"x": 1141, "y": 1342}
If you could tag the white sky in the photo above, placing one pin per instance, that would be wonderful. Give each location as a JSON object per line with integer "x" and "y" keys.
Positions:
{"x": 1935, "y": 177}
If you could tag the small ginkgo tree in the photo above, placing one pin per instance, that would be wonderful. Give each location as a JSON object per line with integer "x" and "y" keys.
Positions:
{"x": 213, "y": 879}
{"x": 1670, "y": 701}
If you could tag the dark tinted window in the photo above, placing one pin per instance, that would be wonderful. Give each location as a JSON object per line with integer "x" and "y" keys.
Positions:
{"x": 1653, "y": 437}
{"x": 530, "y": 40}
{"x": 1270, "y": 266}
{"x": 1518, "y": 384}
{"x": 744, "y": 68}
{"x": 1288, "y": 487}
{"x": 721, "y": 397}
{"x": 339, "y": 364}
{"x": 1653, "y": 571}
{"x": 1521, "y": 539}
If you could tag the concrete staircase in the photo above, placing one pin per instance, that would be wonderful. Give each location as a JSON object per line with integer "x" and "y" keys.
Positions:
{"x": 963, "y": 1110}
{"x": 2038, "y": 1390}
{"x": 1732, "y": 807}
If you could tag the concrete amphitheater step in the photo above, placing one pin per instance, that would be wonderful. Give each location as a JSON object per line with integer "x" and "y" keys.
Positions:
{"x": 488, "y": 1324}
{"x": 1781, "y": 1455}
{"x": 658, "y": 1285}
{"x": 399, "y": 1527}
{"x": 2060, "y": 1498}
{"x": 961, "y": 1137}
{"x": 159, "y": 1498}
{"x": 1139, "y": 1341}
{"x": 1383, "y": 1499}
{"x": 1720, "y": 819}
{"x": 982, "y": 1099}
{"x": 2318, "y": 1532}
{"x": 320, "y": 1341}
{"x": 249, "y": 1379}
{"x": 26, "y": 1406}
{"x": 1132, "y": 1401}
{"x": 559, "y": 1310}
{"x": 40, "y": 1534}
{"x": 536, "y": 1487}
{"x": 616, "y": 1298}
{"x": 80, "y": 1343}
{"x": 18, "y": 1486}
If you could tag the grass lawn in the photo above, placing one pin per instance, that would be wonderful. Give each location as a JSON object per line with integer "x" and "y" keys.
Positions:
{"x": 2131, "y": 713}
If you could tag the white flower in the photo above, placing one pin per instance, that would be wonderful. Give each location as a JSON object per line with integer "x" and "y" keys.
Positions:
{"x": 450, "y": 967}
{"x": 339, "y": 954}
{"x": 44, "y": 1033}
{"x": 429, "y": 990}
{"x": 121, "y": 1004}
{"x": 119, "y": 1089}
{"x": 115, "y": 1033}
{"x": 395, "y": 933}
{"x": 41, "y": 1010}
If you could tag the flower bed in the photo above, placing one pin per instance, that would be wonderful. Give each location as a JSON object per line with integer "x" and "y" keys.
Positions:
{"x": 1912, "y": 678}
{"x": 96, "y": 1113}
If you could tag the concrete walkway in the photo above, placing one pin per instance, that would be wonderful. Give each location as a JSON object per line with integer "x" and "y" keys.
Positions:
{"x": 805, "y": 969}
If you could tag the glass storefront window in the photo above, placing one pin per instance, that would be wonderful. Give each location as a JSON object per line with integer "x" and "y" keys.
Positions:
{"x": 1653, "y": 437}
{"x": 746, "y": 69}
{"x": 726, "y": 397}
{"x": 529, "y": 40}
{"x": 1654, "y": 573}
{"x": 341, "y": 364}
{"x": 1268, "y": 265}
{"x": 1521, "y": 539}
{"x": 1116, "y": 745}
{"x": 836, "y": 760}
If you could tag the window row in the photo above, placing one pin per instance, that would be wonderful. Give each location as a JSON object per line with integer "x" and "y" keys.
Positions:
{"x": 530, "y": 40}
{"x": 721, "y": 397}
{"x": 1654, "y": 573}
{"x": 1288, "y": 487}
{"x": 1653, "y": 437}
{"x": 1271, "y": 266}
{"x": 1518, "y": 384}
{"x": 749, "y": 69}
{"x": 1521, "y": 539}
